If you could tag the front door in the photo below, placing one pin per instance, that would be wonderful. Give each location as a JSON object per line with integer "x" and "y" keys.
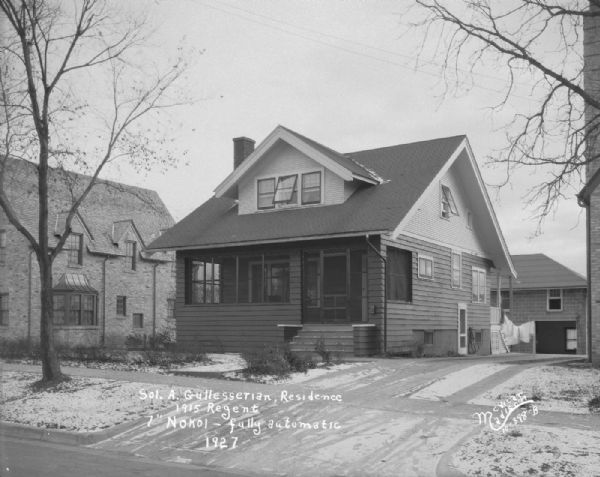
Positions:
{"x": 462, "y": 328}
{"x": 334, "y": 286}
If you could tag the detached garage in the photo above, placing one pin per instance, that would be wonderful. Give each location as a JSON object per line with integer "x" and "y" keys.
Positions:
{"x": 551, "y": 296}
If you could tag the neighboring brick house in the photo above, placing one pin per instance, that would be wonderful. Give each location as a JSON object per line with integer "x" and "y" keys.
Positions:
{"x": 106, "y": 284}
{"x": 589, "y": 196}
{"x": 297, "y": 240}
{"x": 554, "y": 298}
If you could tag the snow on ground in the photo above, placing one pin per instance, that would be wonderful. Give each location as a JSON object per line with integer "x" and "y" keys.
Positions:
{"x": 294, "y": 378}
{"x": 454, "y": 382}
{"x": 532, "y": 451}
{"x": 554, "y": 387}
{"x": 218, "y": 363}
{"x": 81, "y": 404}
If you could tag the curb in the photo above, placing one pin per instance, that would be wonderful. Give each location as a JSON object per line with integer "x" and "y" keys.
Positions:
{"x": 59, "y": 436}
{"x": 445, "y": 467}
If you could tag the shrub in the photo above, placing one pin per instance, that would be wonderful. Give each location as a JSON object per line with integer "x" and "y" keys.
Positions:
{"x": 297, "y": 362}
{"x": 322, "y": 351}
{"x": 161, "y": 340}
{"x": 135, "y": 340}
{"x": 594, "y": 404}
{"x": 18, "y": 348}
{"x": 267, "y": 361}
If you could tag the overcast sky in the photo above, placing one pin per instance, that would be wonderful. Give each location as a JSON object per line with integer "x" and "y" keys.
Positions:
{"x": 341, "y": 72}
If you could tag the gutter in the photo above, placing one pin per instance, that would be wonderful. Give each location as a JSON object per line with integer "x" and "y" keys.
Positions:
{"x": 154, "y": 302}
{"x": 384, "y": 260}
{"x": 103, "y": 336}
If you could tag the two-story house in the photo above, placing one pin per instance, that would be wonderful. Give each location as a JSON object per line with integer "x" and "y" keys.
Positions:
{"x": 377, "y": 250}
{"x": 107, "y": 285}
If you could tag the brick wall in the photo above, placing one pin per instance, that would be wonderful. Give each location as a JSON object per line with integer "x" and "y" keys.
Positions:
{"x": 592, "y": 84}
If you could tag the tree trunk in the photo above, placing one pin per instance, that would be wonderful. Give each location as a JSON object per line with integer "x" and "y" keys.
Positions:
{"x": 50, "y": 364}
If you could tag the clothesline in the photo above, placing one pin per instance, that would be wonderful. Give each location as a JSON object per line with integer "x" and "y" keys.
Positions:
{"x": 514, "y": 334}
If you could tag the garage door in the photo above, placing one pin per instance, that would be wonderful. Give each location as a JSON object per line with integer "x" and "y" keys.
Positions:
{"x": 556, "y": 337}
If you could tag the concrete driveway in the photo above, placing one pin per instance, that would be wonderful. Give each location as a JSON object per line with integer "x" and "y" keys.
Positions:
{"x": 379, "y": 418}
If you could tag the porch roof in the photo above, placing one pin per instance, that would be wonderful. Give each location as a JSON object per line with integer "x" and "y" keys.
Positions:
{"x": 407, "y": 170}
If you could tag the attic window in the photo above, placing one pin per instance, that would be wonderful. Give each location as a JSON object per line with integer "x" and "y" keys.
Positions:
{"x": 448, "y": 204}
{"x": 286, "y": 190}
{"x": 266, "y": 193}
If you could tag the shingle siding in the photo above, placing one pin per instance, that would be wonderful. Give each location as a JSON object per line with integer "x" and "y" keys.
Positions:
{"x": 428, "y": 223}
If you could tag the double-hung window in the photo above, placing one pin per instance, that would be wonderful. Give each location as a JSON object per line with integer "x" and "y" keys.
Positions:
{"x": 555, "y": 299}
{"x": 74, "y": 248}
{"x": 266, "y": 193}
{"x": 456, "y": 265}
{"x": 121, "y": 305}
{"x": 425, "y": 267}
{"x": 478, "y": 285}
{"x": 311, "y": 188}
{"x": 130, "y": 253}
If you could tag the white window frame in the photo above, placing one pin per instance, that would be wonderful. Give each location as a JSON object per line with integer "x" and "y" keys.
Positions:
{"x": 452, "y": 209}
{"x": 480, "y": 271}
{"x": 570, "y": 340}
{"x": 454, "y": 253}
{"x": 422, "y": 276}
{"x": 548, "y": 298}
{"x": 283, "y": 205}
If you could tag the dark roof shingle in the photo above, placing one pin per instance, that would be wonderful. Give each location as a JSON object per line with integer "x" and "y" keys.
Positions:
{"x": 538, "y": 271}
{"x": 407, "y": 170}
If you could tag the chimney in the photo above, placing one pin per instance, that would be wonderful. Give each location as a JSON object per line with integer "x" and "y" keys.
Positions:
{"x": 242, "y": 148}
{"x": 591, "y": 69}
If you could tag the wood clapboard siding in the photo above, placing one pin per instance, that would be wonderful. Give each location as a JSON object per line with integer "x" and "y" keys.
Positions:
{"x": 434, "y": 302}
{"x": 235, "y": 327}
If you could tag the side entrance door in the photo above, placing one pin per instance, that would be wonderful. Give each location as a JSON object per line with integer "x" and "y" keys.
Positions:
{"x": 462, "y": 328}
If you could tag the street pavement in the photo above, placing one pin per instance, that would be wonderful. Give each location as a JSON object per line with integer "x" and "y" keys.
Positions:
{"x": 367, "y": 425}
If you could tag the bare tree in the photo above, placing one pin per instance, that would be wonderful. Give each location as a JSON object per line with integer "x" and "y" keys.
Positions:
{"x": 55, "y": 58}
{"x": 540, "y": 44}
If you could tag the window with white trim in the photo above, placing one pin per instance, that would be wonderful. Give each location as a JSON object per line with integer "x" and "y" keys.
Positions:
{"x": 571, "y": 338}
{"x": 311, "y": 188}
{"x": 425, "y": 267}
{"x": 266, "y": 193}
{"x": 456, "y": 267}
{"x": 555, "y": 299}
{"x": 448, "y": 206}
{"x": 286, "y": 191}
{"x": 478, "y": 285}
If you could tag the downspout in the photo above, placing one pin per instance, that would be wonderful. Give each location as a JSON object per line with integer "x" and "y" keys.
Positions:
{"x": 103, "y": 335}
{"x": 384, "y": 260}
{"x": 154, "y": 302}
{"x": 583, "y": 202}
{"x": 588, "y": 244}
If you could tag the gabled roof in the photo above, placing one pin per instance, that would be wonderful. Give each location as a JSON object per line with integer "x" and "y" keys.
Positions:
{"x": 407, "y": 169}
{"x": 538, "y": 271}
{"x": 342, "y": 165}
{"x": 107, "y": 203}
{"x": 400, "y": 177}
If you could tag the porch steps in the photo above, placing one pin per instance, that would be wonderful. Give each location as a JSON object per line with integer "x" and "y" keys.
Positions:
{"x": 337, "y": 339}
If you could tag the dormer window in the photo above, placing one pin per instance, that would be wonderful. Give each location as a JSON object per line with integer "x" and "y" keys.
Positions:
{"x": 266, "y": 193}
{"x": 311, "y": 188}
{"x": 448, "y": 204}
{"x": 285, "y": 193}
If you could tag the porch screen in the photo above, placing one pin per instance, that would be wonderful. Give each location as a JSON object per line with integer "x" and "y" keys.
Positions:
{"x": 399, "y": 279}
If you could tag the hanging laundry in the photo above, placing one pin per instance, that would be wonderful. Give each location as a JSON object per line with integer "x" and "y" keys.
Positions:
{"x": 508, "y": 331}
{"x": 526, "y": 331}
